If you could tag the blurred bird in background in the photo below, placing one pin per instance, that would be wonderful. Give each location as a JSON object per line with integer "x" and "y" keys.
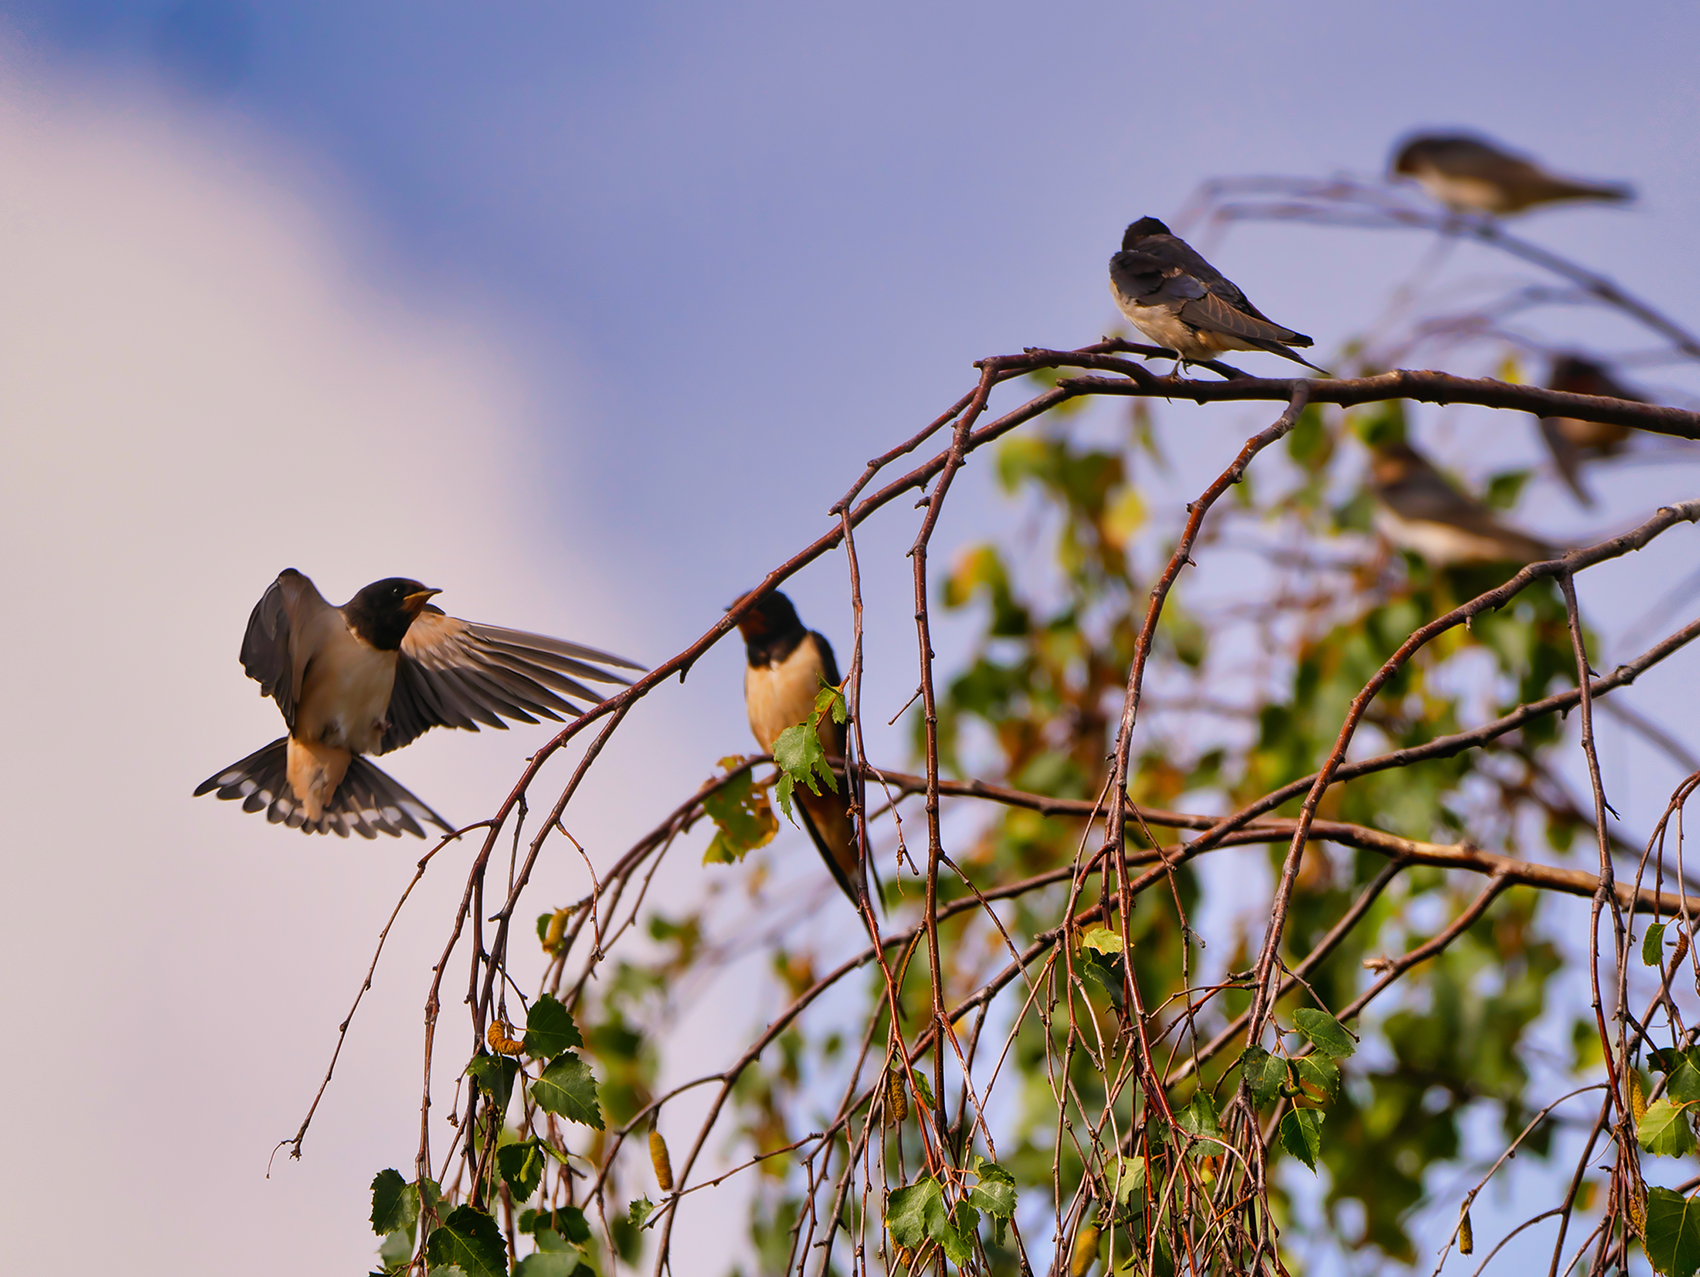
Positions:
{"x": 373, "y": 675}
{"x": 1184, "y": 304}
{"x": 1572, "y": 440}
{"x": 1469, "y": 174}
{"x": 787, "y": 664}
{"x": 1419, "y": 509}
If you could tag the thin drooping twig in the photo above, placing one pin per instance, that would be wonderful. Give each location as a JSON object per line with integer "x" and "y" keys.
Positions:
{"x": 1566, "y": 565}
{"x": 1120, "y": 1053}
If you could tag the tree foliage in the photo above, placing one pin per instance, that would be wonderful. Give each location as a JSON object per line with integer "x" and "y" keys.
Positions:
{"x": 1256, "y": 1005}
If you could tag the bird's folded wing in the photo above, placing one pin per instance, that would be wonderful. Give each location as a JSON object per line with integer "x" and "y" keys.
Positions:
{"x": 1217, "y": 315}
{"x": 1426, "y": 495}
{"x": 454, "y": 673}
{"x": 269, "y": 651}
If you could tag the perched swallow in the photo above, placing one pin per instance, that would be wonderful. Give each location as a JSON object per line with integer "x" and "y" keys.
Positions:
{"x": 786, "y": 667}
{"x": 371, "y": 676}
{"x": 1419, "y": 510}
{"x": 1182, "y": 302}
{"x": 1573, "y": 440}
{"x": 1471, "y": 175}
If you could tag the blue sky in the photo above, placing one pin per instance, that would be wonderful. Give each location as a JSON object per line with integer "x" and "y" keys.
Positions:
{"x": 607, "y": 304}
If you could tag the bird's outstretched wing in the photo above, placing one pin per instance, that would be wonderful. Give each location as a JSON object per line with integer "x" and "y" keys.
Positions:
{"x": 455, "y": 673}
{"x": 270, "y": 653}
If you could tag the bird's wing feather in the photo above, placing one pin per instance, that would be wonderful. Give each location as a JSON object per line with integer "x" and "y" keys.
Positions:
{"x": 1425, "y": 494}
{"x": 455, "y": 673}
{"x": 1218, "y": 314}
{"x": 271, "y": 655}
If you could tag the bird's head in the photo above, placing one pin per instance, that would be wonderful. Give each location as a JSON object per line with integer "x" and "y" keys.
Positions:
{"x": 1140, "y": 229}
{"x": 382, "y": 612}
{"x": 773, "y": 615}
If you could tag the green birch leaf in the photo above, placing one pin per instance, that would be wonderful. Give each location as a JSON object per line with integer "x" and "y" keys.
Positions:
{"x": 743, "y": 819}
{"x": 924, "y": 1091}
{"x": 395, "y": 1204}
{"x": 1264, "y": 1073}
{"x": 1664, "y": 1129}
{"x": 995, "y": 1193}
{"x": 549, "y": 1029}
{"x": 521, "y": 1168}
{"x": 638, "y": 1211}
{"x": 1652, "y": 945}
{"x": 801, "y": 761}
{"x": 495, "y": 1077}
{"x": 551, "y": 1263}
{"x": 1682, "y": 1072}
{"x": 1673, "y": 1232}
{"x": 1318, "y": 1072}
{"x": 830, "y": 700}
{"x": 1100, "y": 939}
{"x": 916, "y": 1214}
{"x": 1326, "y": 1033}
{"x": 1301, "y": 1135}
{"x": 568, "y": 1089}
{"x": 470, "y": 1239}
{"x": 958, "y": 1239}
{"x": 566, "y": 1221}
{"x": 396, "y": 1250}
{"x": 1198, "y": 1119}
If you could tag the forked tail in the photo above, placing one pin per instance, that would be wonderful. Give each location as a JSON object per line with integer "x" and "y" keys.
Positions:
{"x": 368, "y": 802}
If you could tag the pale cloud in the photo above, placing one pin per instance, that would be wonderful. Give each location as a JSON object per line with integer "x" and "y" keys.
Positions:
{"x": 197, "y": 391}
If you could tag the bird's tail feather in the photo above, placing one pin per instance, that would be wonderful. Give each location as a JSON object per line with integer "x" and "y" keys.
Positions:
{"x": 368, "y": 802}
{"x": 827, "y": 819}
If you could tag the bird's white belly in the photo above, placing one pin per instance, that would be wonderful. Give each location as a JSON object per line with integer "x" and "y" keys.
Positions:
{"x": 782, "y": 694}
{"x": 1440, "y": 544}
{"x": 1463, "y": 194}
{"x": 1163, "y": 326}
{"x": 345, "y": 694}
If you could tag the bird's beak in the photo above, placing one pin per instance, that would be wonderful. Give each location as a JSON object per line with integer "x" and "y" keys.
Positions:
{"x": 418, "y": 599}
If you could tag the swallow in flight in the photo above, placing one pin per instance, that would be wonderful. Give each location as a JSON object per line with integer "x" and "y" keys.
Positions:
{"x": 1420, "y": 510}
{"x": 373, "y": 675}
{"x": 1573, "y": 440}
{"x": 786, "y": 666}
{"x": 1471, "y": 175}
{"x": 1183, "y": 303}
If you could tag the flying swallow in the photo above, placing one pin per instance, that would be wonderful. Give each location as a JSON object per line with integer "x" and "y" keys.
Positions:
{"x": 1471, "y": 175}
{"x": 371, "y": 676}
{"x": 1573, "y": 440}
{"x": 1419, "y": 510}
{"x": 1183, "y": 303}
{"x": 786, "y": 666}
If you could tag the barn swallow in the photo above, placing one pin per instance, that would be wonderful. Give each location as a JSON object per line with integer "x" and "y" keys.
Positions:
{"x": 1419, "y": 510}
{"x": 371, "y": 676}
{"x": 1471, "y": 175}
{"x": 1573, "y": 440}
{"x": 786, "y": 666}
{"x": 1183, "y": 303}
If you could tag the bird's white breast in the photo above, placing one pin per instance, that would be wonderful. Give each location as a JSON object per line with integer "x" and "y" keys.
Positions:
{"x": 345, "y": 692}
{"x": 781, "y": 694}
{"x": 1440, "y": 544}
{"x": 1162, "y": 325}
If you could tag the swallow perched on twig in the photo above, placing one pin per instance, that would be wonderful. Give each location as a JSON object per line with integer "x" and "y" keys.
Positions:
{"x": 1419, "y": 510}
{"x": 1469, "y": 174}
{"x": 373, "y": 675}
{"x": 1183, "y": 303}
{"x": 786, "y": 666}
{"x": 1572, "y": 440}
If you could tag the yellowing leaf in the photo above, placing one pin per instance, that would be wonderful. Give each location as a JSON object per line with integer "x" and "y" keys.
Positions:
{"x": 743, "y": 819}
{"x": 1123, "y": 517}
